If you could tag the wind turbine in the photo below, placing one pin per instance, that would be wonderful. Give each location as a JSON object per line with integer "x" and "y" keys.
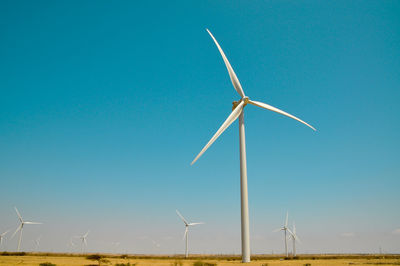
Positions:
{"x": 37, "y": 243}
{"x": 20, "y": 227}
{"x": 115, "y": 245}
{"x": 83, "y": 238}
{"x": 238, "y": 112}
{"x": 156, "y": 244}
{"x": 285, "y": 229}
{"x": 2, "y": 236}
{"x": 295, "y": 238}
{"x": 186, "y": 235}
{"x": 71, "y": 244}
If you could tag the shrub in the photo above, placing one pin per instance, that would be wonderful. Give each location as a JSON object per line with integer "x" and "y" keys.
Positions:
{"x": 94, "y": 257}
{"x": 47, "y": 264}
{"x": 5, "y": 253}
{"x": 307, "y": 264}
{"x": 100, "y": 259}
{"x": 125, "y": 264}
{"x": 200, "y": 263}
{"x": 177, "y": 263}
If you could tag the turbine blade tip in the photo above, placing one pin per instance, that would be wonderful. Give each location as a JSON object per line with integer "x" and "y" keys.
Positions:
{"x": 194, "y": 161}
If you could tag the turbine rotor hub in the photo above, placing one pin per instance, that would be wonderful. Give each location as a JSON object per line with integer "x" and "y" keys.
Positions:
{"x": 245, "y": 99}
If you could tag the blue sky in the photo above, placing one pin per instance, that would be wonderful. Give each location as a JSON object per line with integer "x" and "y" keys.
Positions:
{"x": 104, "y": 105}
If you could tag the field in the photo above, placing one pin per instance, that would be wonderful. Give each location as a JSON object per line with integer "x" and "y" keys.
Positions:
{"x": 303, "y": 260}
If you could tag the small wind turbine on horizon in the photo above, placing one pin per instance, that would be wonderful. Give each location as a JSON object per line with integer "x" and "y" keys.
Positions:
{"x": 285, "y": 229}
{"x": 186, "y": 235}
{"x": 294, "y": 238}
{"x": 2, "y": 236}
{"x": 238, "y": 112}
{"x": 37, "y": 243}
{"x": 115, "y": 246}
{"x": 156, "y": 244}
{"x": 71, "y": 245}
{"x": 83, "y": 238}
{"x": 20, "y": 227}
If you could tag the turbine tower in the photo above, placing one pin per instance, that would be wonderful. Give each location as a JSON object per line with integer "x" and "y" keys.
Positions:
{"x": 186, "y": 235}
{"x": 294, "y": 238}
{"x": 20, "y": 227}
{"x": 238, "y": 112}
{"x": 285, "y": 229}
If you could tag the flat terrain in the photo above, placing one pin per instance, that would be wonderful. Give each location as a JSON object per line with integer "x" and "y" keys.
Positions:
{"x": 64, "y": 260}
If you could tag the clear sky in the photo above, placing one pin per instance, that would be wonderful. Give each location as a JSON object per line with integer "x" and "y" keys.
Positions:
{"x": 103, "y": 106}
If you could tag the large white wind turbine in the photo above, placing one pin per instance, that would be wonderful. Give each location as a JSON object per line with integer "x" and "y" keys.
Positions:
{"x": 2, "y": 236}
{"x": 186, "y": 235}
{"x": 20, "y": 227}
{"x": 83, "y": 238}
{"x": 238, "y": 112}
{"x": 295, "y": 238}
{"x": 285, "y": 229}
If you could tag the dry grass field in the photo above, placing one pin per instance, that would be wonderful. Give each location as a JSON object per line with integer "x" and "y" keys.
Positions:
{"x": 317, "y": 260}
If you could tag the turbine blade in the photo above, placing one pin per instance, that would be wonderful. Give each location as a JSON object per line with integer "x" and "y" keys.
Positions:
{"x": 286, "y": 221}
{"x": 277, "y": 230}
{"x": 19, "y": 215}
{"x": 183, "y": 219}
{"x": 3, "y": 234}
{"x": 85, "y": 235}
{"x": 290, "y": 232}
{"x": 274, "y": 109}
{"x": 195, "y": 223}
{"x": 231, "y": 118}
{"x": 32, "y": 223}
{"x": 232, "y": 75}
{"x": 18, "y": 228}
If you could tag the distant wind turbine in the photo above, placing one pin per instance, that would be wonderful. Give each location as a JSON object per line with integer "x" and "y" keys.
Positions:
{"x": 83, "y": 238}
{"x": 294, "y": 238}
{"x": 285, "y": 229}
{"x": 37, "y": 243}
{"x": 20, "y": 227}
{"x": 115, "y": 245}
{"x": 238, "y": 112}
{"x": 71, "y": 244}
{"x": 156, "y": 244}
{"x": 186, "y": 235}
{"x": 2, "y": 236}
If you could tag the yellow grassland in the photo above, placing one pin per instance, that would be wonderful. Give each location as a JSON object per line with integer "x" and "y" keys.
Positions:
{"x": 313, "y": 260}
